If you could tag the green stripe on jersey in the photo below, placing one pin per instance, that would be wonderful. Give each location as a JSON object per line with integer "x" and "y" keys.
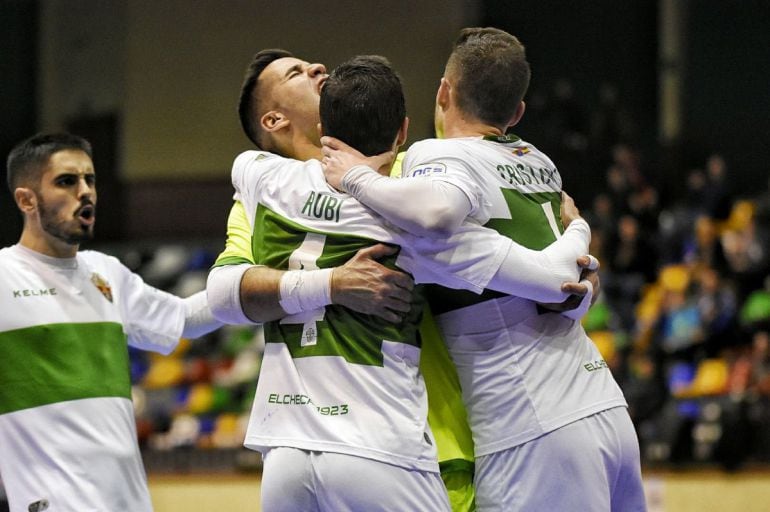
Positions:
{"x": 283, "y": 244}
{"x": 529, "y": 224}
{"x": 535, "y": 219}
{"x": 341, "y": 332}
{"x": 54, "y": 363}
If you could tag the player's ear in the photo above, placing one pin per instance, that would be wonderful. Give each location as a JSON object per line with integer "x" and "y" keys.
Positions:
{"x": 443, "y": 94}
{"x": 320, "y": 130}
{"x": 273, "y": 121}
{"x": 402, "y": 132}
{"x": 518, "y": 114}
{"x": 26, "y": 199}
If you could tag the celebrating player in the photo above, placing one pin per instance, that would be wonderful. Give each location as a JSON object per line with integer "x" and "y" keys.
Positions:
{"x": 67, "y": 430}
{"x": 296, "y": 221}
{"x": 549, "y": 423}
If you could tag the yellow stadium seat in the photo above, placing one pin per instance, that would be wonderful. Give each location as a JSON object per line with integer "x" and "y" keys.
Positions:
{"x": 674, "y": 278}
{"x": 163, "y": 373}
{"x": 605, "y": 342}
{"x": 710, "y": 379}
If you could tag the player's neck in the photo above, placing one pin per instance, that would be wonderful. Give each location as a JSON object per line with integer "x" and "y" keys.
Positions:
{"x": 470, "y": 130}
{"x": 46, "y": 244}
{"x": 306, "y": 151}
{"x": 457, "y": 124}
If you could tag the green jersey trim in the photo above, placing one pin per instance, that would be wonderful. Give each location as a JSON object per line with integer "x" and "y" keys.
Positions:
{"x": 54, "y": 363}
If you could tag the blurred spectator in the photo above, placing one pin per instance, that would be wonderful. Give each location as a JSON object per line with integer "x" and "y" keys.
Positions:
{"x": 631, "y": 262}
{"x": 746, "y": 243}
{"x": 680, "y": 326}
{"x": 717, "y": 198}
{"x": 677, "y": 222}
{"x": 717, "y": 307}
{"x": 703, "y": 248}
{"x": 760, "y": 363}
{"x": 610, "y": 122}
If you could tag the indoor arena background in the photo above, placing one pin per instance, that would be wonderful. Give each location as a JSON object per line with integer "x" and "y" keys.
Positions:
{"x": 657, "y": 114}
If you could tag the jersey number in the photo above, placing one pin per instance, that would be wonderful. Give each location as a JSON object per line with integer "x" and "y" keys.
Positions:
{"x": 304, "y": 258}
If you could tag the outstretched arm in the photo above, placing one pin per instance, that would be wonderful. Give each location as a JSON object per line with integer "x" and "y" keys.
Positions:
{"x": 198, "y": 318}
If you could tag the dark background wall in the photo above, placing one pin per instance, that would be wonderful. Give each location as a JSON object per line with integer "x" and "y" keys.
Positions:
{"x": 728, "y": 88}
{"x": 18, "y": 40}
{"x": 725, "y": 71}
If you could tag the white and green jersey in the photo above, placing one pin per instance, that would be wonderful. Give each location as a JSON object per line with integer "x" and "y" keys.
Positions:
{"x": 333, "y": 379}
{"x": 523, "y": 372}
{"x": 67, "y": 430}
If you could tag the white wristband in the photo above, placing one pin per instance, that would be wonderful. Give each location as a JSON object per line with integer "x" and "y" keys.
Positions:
{"x": 306, "y": 290}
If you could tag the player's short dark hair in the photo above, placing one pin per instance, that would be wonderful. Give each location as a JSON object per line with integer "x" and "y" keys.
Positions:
{"x": 29, "y": 158}
{"x": 491, "y": 73}
{"x": 247, "y": 103}
{"x": 362, "y": 104}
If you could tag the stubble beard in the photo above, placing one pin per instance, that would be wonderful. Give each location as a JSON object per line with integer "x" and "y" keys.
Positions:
{"x": 59, "y": 228}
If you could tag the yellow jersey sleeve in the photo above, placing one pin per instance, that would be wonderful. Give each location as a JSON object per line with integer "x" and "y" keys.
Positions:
{"x": 238, "y": 245}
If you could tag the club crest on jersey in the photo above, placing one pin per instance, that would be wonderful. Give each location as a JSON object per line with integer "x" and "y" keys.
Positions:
{"x": 102, "y": 285}
{"x": 427, "y": 169}
{"x": 521, "y": 151}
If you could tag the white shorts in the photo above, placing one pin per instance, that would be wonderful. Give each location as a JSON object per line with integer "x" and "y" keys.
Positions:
{"x": 590, "y": 465}
{"x": 299, "y": 480}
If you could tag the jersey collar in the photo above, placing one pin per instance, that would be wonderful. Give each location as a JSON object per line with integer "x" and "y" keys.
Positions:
{"x": 503, "y": 139}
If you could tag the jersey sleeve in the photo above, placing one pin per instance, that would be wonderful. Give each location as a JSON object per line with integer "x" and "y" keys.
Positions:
{"x": 248, "y": 169}
{"x": 152, "y": 319}
{"x": 443, "y": 160}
